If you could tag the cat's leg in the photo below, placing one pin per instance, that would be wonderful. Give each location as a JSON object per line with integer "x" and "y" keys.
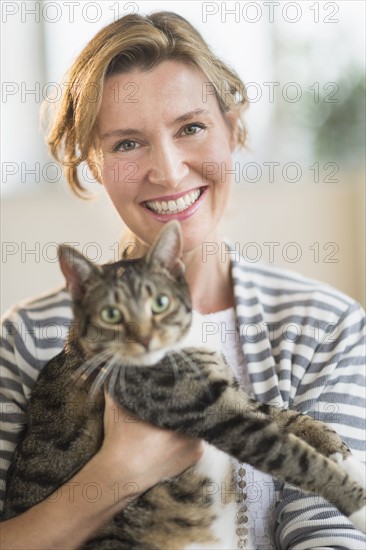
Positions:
{"x": 354, "y": 468}
{"x": 205, "y": 402}
{"x": 325, "y": 440}
{"x": 318, "y": 435}
{"x": 266, "y": 446}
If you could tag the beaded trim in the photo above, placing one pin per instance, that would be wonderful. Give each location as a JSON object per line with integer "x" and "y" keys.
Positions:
{"x": 241, "y": 516}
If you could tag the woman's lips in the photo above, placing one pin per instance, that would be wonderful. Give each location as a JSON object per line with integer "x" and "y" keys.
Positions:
{"x": 175, "y": 206}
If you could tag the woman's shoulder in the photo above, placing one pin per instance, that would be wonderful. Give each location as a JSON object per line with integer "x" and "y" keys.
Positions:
{"x": 278, "y": 289}
{"x": 32, "y": 332}
{"x": 49, "y": 304}
{"x": 301, "y": 337}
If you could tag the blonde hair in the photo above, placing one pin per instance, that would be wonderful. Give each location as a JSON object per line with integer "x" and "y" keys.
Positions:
{"x": 134, "y": 41}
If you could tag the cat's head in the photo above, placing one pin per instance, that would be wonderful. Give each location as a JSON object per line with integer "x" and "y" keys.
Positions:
{"x": 134, "y": 310}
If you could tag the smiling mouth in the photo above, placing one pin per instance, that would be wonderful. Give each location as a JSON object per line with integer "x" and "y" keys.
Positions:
{"x": 172, "y": 206}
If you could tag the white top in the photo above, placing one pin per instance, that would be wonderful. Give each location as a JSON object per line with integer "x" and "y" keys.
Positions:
{"x": 260, "y": 490}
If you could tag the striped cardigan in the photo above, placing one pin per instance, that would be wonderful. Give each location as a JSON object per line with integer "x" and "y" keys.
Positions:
{"x": 303, "y": 348}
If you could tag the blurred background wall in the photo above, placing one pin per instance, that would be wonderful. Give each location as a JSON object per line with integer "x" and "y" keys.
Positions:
{"x": 299, "y": 191}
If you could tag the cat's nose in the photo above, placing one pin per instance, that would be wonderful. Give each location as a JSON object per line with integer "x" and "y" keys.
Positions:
{"x": 145, "y": 341}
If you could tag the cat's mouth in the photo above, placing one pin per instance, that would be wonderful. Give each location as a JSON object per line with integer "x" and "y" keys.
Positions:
{"x": 171, "y": 206}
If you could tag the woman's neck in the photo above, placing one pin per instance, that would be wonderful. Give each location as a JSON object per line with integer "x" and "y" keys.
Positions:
{"x": 209, "y": 278}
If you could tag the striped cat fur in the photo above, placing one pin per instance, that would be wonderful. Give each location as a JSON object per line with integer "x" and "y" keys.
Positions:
{"x": 153, "y": 363}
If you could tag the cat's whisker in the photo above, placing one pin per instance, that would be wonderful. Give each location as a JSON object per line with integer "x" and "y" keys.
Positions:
{"x": 101, "y": 376}
{"x": 113, "y": 370}
{"x": 88, "y": 367}
{"x": 113, "y": 378}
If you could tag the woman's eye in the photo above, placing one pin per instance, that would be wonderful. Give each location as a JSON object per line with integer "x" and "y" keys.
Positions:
{"x": 160, "y": 303}
{"x": 193, "y": 129}
{"x": 111, "y": 315}
{"x": 126, "y": 145}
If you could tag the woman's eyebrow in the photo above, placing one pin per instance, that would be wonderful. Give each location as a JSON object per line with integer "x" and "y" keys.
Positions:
{"x": 121, "y": 132}
{"x": 191, "y": 114}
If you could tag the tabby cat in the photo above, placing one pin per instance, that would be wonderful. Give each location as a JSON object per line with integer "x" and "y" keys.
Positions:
{"x": 134, "y": 333}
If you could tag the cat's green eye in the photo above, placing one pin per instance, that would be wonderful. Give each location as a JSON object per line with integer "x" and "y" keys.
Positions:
{"x": 111, "y": 315}
{"x": 160, "y": 303}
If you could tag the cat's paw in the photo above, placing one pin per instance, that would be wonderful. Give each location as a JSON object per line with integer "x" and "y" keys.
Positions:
{"x": 359, "y": 519}
{"x": 355, "y": 469}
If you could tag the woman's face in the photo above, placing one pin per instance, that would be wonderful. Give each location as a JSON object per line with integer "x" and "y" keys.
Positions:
{"x": 166, "y": 151}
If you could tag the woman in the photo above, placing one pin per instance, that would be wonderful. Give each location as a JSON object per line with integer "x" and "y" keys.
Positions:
{"x": 154, "y": 114}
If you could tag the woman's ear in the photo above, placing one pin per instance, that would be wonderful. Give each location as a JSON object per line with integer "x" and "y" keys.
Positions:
{"x": 231, "y": 120}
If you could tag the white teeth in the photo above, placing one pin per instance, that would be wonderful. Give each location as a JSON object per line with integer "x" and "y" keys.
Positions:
{"x": 180, "y": 203}
{"x": 174, "y": 206}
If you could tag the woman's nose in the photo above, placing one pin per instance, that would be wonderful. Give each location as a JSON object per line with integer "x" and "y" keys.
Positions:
{"x": 168, "y": 166}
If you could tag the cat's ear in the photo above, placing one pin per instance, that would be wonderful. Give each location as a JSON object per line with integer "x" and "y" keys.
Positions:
{"x": 76, "y": 268}
{"x": 167, "y": 250}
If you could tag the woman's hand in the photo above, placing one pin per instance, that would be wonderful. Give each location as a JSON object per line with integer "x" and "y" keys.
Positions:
{"x": 142, "y": 453}
{"x": 134, "y": 456}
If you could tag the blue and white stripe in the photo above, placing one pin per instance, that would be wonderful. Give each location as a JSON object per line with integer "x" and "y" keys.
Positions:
{"x": 303, "y": 344}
